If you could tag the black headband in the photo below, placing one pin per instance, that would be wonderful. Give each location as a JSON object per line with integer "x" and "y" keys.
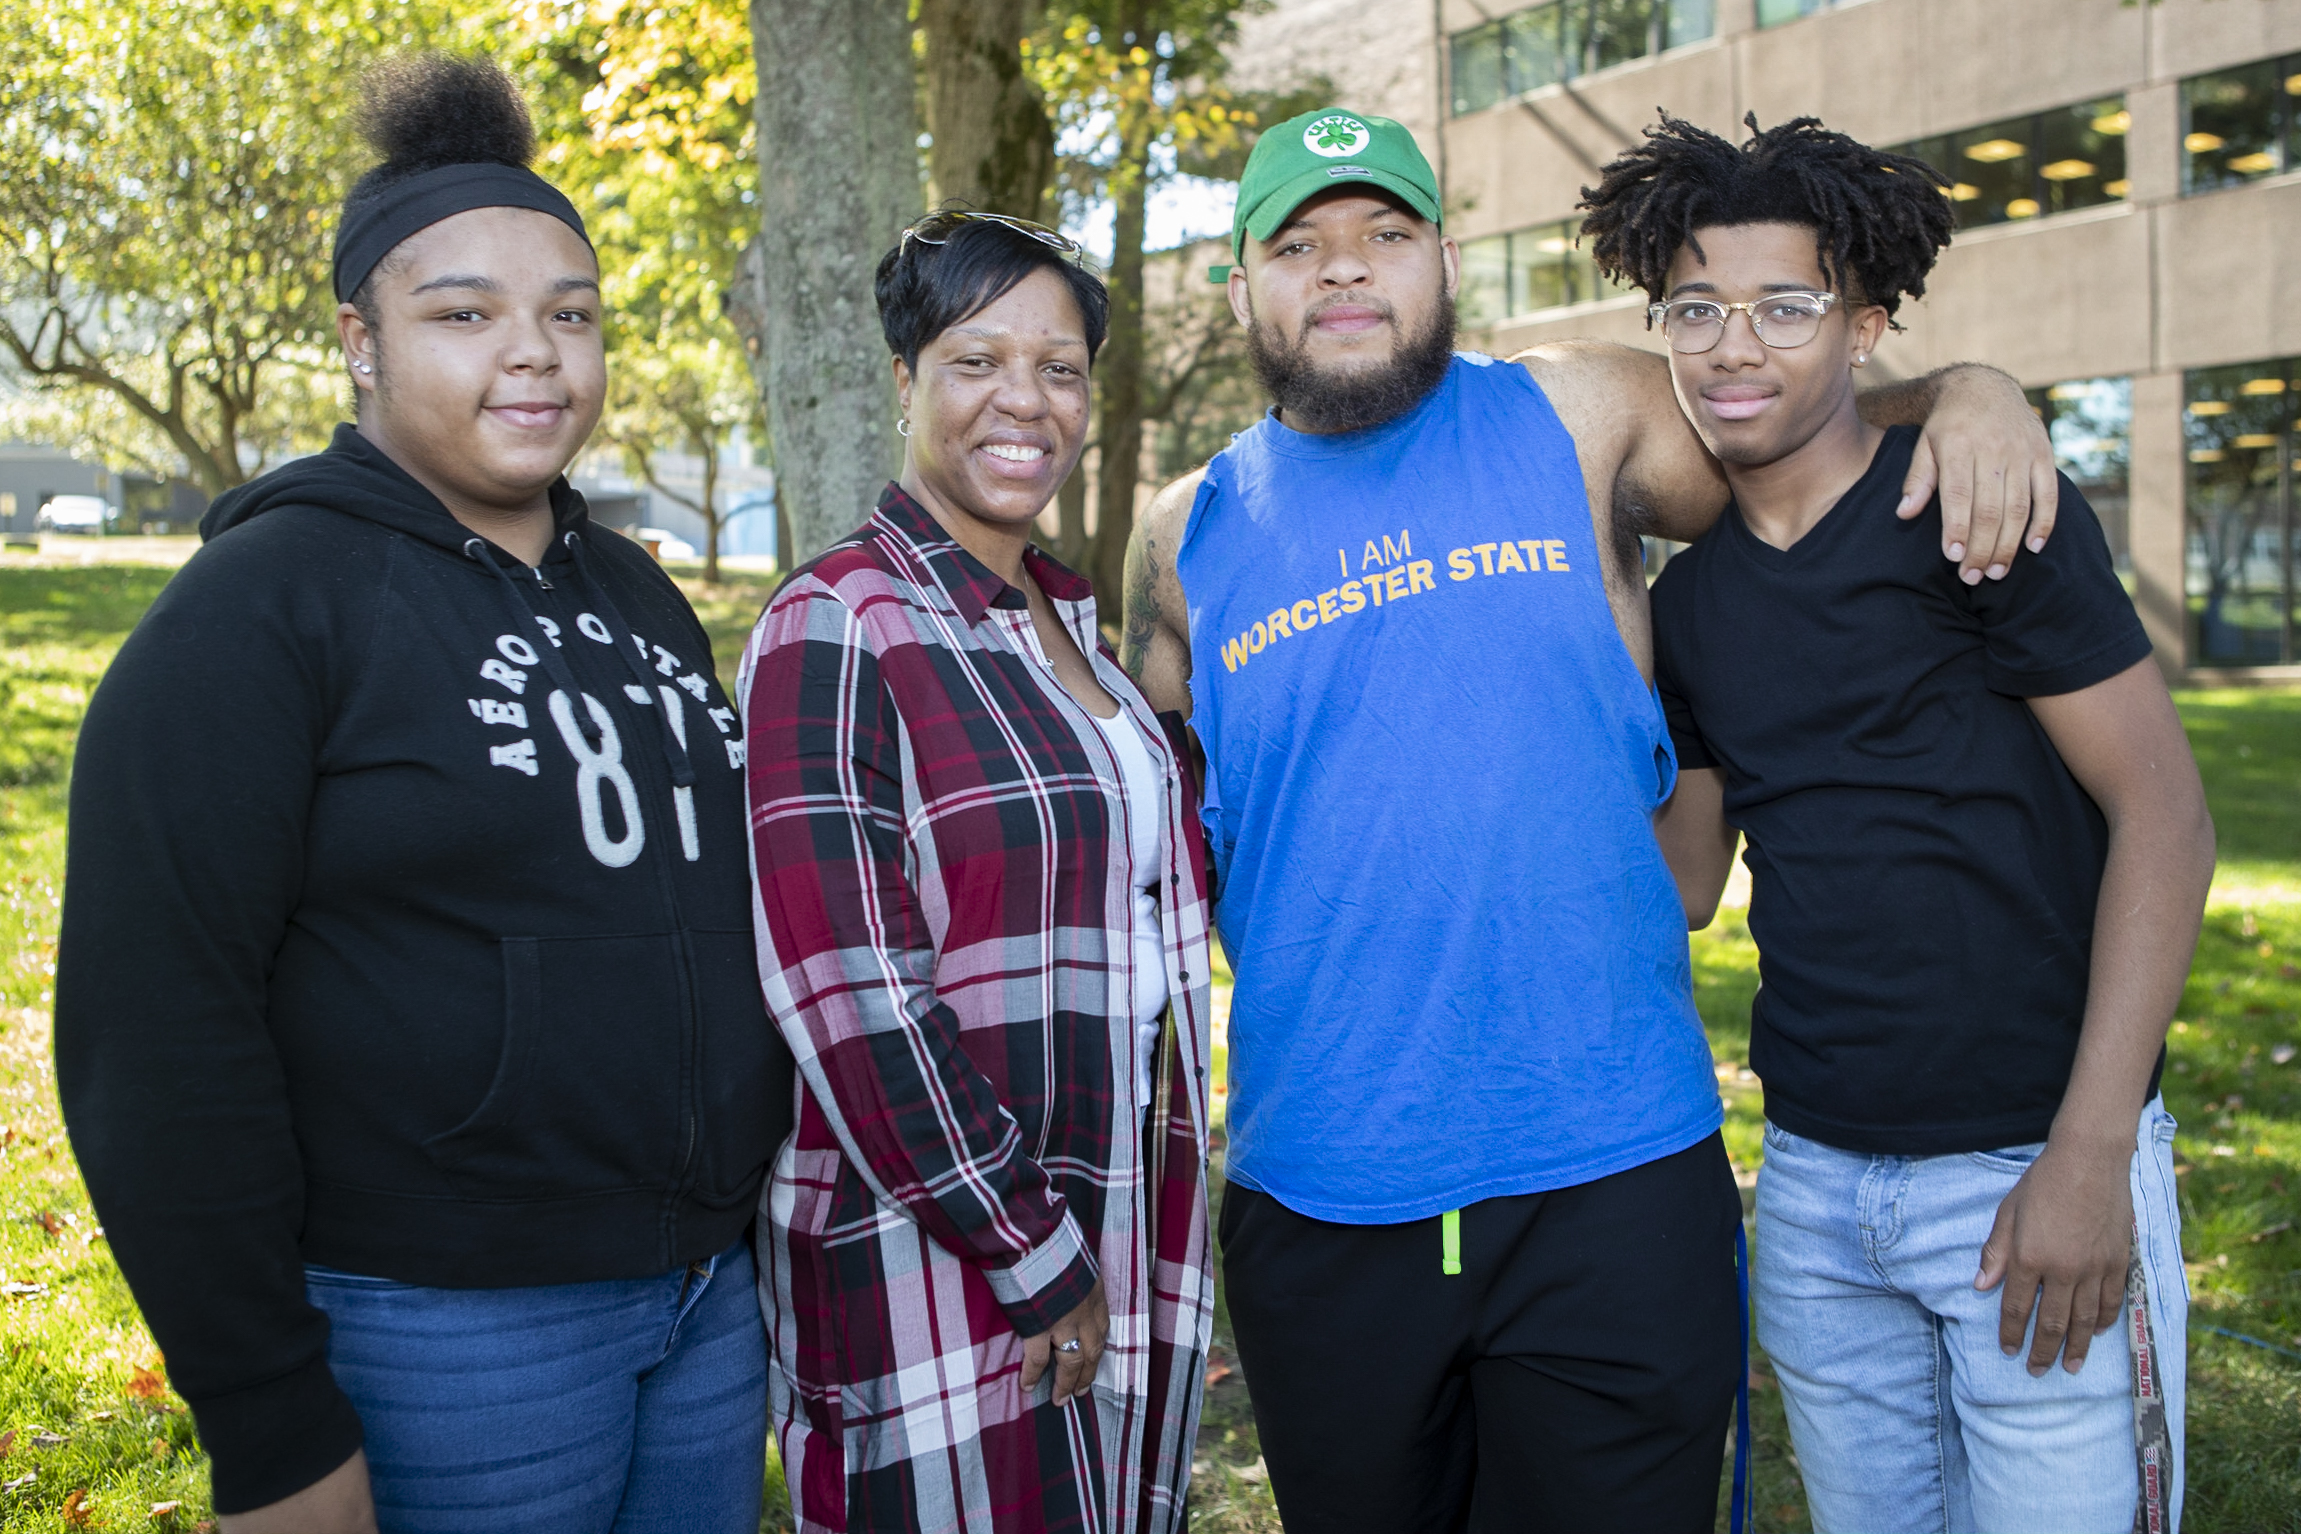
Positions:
{"x": 370, "y": 228}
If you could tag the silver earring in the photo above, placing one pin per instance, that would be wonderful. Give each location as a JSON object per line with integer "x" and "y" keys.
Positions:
{"x": 363, "y": 367}
{"x": 903, "y": 426}
{"x": 1861, "y": 359}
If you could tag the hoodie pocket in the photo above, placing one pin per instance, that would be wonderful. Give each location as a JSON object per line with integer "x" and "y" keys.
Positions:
{"x": 587, "y": 1091}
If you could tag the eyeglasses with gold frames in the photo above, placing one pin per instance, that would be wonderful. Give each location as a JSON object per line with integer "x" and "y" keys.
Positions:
{"x": 1781, "y": 320}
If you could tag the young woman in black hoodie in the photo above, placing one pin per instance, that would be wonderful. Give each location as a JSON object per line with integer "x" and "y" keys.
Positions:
{"x": 408, "y": 1021}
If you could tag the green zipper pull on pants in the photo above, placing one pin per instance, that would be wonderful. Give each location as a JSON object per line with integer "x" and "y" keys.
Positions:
{"x": 1450, "y": 1242}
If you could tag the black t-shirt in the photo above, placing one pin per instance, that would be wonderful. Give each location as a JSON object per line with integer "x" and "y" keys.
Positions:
{"x": 1924, "y": 868}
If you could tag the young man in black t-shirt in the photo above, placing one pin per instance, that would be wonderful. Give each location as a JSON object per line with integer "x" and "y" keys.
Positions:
{"x": 1979, "y": 854}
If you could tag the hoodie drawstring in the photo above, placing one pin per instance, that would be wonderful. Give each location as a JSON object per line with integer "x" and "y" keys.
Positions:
{"x": 674, "y": 746}
{"x": 525, "y": 622}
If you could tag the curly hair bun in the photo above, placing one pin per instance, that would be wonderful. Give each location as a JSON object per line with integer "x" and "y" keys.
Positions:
{"x": 434, "y": 109}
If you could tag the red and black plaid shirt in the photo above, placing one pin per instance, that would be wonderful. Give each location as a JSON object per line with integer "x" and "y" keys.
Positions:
{"x": 944, "y": 921}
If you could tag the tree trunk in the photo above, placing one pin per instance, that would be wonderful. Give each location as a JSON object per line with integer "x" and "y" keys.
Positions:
{"x": 704, "y": 443}
{"x": 838, "y": 179}
{"x": 994, "y": 147}
{"x": 1119, "y": 368}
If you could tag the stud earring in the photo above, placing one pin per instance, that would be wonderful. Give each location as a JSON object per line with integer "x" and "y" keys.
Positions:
{"x": 363, "y": 367}
{"x": 1861, "y": 359}
{"x": 903, "y": 426}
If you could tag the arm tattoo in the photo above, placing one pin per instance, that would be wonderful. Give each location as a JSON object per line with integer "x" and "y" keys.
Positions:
{"x": 1141, "y": 607}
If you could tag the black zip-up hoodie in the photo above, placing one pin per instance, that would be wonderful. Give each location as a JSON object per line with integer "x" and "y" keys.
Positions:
{"x": 407, "y": 931}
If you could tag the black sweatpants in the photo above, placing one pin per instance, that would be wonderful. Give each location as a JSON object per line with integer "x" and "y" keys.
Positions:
{"x": 1577, "y": 1376}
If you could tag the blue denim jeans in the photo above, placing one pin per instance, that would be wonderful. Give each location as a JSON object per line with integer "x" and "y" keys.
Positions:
{"x": 635, "y": 1406}
{"x": 1904, "y": 1412}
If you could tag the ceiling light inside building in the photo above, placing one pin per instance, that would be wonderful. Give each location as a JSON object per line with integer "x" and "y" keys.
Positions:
{"x": 1964, "y": 191}
{"x": 2118, "y": 188}
{"x": 1991, "y": 151}
{"x": 2114, "y": 124}
{"x": 2203, "y": 143}
{"x": 2258, "y": 439}
{"x": 2293, "y": 85}
{"x": 2066, "y": 170}
{"x": 2263, "y": 386}
{"x": 2069, "y": 391}
{"x": 2206, "y": 455}
{"x": 2211, "y": 407}
{"x": 2257, "y": 164}
{"x": 2021, "y": 207}
{"x": 1554, "y": 246}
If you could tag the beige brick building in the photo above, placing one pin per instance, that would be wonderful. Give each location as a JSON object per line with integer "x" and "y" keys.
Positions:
{"x": 2128, "y": 186}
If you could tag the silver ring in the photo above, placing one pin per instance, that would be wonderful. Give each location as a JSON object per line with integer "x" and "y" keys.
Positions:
{"x": 1072, "y": 1346}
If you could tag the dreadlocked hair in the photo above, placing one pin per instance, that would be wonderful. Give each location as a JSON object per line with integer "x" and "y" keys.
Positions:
{"x": 1879, "y": 219}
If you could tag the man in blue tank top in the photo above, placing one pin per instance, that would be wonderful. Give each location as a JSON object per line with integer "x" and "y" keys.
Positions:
{"x": 1479, "y": 1230}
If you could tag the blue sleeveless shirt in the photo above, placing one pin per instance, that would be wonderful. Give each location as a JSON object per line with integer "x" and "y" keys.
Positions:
{"x": 1460, "y": 959}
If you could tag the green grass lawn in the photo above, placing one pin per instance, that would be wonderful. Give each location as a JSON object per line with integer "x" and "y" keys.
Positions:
{"x": 90, "y": 1438}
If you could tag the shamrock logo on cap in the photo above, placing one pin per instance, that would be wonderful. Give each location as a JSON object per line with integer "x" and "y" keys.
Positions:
{"x": 1336, "y": 136}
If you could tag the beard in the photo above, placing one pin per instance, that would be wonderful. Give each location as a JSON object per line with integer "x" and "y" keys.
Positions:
{"x": 1327, "y": 402}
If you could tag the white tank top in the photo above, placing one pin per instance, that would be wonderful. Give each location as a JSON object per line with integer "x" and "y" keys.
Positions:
{"x": 1142, "y": 788}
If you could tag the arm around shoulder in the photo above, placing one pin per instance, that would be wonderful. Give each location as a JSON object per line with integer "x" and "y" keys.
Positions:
{"x": 1637, "y": 448}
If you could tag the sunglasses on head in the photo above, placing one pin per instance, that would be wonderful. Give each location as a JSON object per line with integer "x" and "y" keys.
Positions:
{"x": 937, "y": 228}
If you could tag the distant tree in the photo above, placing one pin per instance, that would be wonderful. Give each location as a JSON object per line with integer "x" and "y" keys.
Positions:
{"x": 1139, "y": 84}
{"x": 696, "y": 396}
{"x": 646, "y": 118}
{"x": 168, "y": 180}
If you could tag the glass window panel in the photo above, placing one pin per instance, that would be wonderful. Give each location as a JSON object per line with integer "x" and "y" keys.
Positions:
{"x": 2230, "y": 126}
{"x": 2238, "y": 429}
{"x": 1536, "y": 51}
{"x": 1477, "y": 68}
{"x": 1690, "y": 21}
{"x": 1997, "y": 162}
{"x": 2081, "y": 154}
{"x": 2091, "y": 423}
{"x": 1541, "y": 259}
{"x": 1617, "y": 31}
{"x": 1772, "y": 13}
{"x": 1485, "y": 280}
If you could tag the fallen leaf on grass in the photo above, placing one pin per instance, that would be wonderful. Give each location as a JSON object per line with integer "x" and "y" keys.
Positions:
{"x": 48, "y": 1440}
{"x": 147, "y": 1386}
{"x": 2277, "y": 1229}
{"x": 164, "y": 1510}
{"x": 1254, "y": 1473}
{"x": 50, "y": 1221}
{"x": 7, "y": 1442}
{"x": 2280, "y": 1054}
{"x": 76, "y": 1515}
{"x": 102, "y": 1416}
{"x": 22, "y": 1481}
{"x": 16, "y": 1289}
{"x": 1218, "y": 1372}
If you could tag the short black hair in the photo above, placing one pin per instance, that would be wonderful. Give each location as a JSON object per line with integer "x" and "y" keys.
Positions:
{"x": 426, "y": 110}
{"x": 924, "y": 289}
{"x": 1879, "y": 219}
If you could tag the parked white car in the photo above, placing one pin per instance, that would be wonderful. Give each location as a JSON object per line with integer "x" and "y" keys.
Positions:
{"x": 73, "y": 514}
{"x": 664, "y": 545}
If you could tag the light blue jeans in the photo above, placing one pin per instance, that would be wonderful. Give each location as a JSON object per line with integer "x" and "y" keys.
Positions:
{"x": 634, "y": 1406}
{"x": 1904, "y": 1412}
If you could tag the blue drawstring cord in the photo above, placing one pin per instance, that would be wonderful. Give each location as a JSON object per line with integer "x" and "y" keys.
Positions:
{"x": 1741, "y": 1504}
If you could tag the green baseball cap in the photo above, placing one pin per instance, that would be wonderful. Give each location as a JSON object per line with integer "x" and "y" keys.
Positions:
{"x": 1330, "y": 147}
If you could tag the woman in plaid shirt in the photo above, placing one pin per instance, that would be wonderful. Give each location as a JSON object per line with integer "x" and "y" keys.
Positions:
{"x": 982, "y": 925}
